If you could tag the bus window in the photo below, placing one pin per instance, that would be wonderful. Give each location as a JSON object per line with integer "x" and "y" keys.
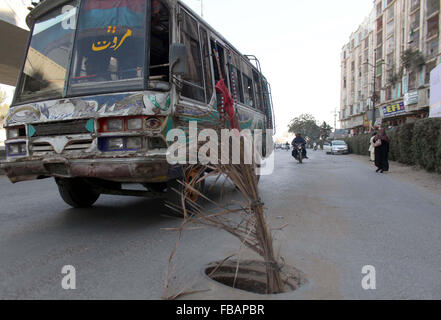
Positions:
{"x": 160, "y": 43}
{"x": 110, "y": 46}
{"x": 47, "y": 60}
{"x": 248, "y": 91}
{"x": 193, "y": 86}
{"x": 237, "y": 84}
{"x": 258, "y": 90}
{"x": 207, "y": 66}
{"x": 216, "y": 47}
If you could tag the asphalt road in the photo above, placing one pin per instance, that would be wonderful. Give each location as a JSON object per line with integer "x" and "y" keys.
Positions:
{"x": 341, "y": 215}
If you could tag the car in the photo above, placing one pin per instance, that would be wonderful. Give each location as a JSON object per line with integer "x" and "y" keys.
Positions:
{"x": 336, "y": 147}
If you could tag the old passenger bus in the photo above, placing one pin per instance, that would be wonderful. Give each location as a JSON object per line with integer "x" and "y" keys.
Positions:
{"x": 102, "y": 83}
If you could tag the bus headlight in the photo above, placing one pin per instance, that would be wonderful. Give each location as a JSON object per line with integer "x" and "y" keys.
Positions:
{"x": 16, "y": 149}
{"x": 115, "y": 125}
{"x": 13, "y": 133}
{"x": 134, "y": 143}
{"x": 16, "y": 132}
{"x": 116, "y": 144}
{"x": 134, "y": 124}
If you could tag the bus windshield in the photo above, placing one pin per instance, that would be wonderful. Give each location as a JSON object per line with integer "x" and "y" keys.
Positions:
{"x": 47, "y": 60}
{"x": 109, "y": 48}
{"x": 98, "y": 47}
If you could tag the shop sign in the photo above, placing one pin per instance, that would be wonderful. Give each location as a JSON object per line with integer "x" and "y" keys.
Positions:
{"x": 411, "y": 98}
{"x": 394, "y": 110}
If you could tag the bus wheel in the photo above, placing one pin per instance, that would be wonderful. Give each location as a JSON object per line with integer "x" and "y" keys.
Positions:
{"x": 76, "y": 192}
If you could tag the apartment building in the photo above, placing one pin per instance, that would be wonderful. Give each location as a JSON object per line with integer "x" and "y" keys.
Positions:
{"x": 386, "y": 65}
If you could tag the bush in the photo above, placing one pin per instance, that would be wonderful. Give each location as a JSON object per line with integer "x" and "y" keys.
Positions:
{"x": 425, "y": 142}
{"x": 417, "y": 143}
{"x": 394, "y": 152}
{"x": 406, "y": 154}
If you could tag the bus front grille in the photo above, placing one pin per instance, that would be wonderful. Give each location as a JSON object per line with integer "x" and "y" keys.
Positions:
{"x": 60, "y": 128}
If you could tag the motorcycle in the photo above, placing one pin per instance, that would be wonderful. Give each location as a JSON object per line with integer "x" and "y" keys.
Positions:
{"x": 298, "y": 152}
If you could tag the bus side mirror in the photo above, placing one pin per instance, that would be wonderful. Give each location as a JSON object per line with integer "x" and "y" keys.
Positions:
{"x": 178, "y": 59}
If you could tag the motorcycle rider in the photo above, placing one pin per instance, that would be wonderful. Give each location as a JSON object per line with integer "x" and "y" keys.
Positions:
{"x": 299, "y": 140}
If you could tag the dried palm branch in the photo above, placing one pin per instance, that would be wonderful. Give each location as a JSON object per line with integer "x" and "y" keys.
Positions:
{"x": 244, "y": 220}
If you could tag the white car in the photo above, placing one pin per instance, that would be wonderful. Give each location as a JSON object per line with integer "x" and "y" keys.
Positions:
{"x": 336, "y": 147}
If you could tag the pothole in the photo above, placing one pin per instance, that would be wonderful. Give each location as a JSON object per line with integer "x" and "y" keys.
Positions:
{"x": 251, "y": 276}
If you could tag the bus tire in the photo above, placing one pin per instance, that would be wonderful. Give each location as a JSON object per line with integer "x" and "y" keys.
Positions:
{"x": 76, "y": 192}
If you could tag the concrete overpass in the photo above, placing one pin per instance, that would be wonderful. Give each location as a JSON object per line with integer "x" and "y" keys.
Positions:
{"x": 13, "y": 39}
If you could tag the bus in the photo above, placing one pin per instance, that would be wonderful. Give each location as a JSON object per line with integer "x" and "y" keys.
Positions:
{"x": 104, "y": 81}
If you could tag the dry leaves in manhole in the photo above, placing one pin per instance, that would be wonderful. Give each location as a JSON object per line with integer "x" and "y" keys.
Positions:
{"x": 250, "y": 276}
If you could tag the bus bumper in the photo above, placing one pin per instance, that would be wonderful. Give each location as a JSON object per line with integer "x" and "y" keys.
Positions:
{"x": 139, "y": 170}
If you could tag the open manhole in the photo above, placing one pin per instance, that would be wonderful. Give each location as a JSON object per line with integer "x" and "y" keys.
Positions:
{"x": 251, "y": 276}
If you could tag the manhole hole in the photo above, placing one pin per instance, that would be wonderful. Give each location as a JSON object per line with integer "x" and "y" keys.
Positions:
{"x": 251, "y": 276}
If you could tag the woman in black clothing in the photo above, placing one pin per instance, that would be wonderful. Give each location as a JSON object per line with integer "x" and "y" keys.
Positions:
{"x": 382, "y": 151}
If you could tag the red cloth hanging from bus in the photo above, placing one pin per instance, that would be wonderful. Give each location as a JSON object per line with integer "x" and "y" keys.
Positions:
{"x": 221, "y": 88}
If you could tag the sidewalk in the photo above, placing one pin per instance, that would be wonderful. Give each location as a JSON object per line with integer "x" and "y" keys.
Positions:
{"x": 431, "y": 181}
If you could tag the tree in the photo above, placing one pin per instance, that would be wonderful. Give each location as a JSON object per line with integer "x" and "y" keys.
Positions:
{"x": 412, "y": 59}
{"x": 325, "y": 131}
{"x": 305, "y": 124}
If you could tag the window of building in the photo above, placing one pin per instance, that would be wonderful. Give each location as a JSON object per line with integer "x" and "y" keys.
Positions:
{"x": 193, "y": 86}
{"x": 429, "y": 67}
{"x": 432, "y": 49}
{"x": 414, "y": 4}
{"x": 412, "y": 81}
{"x": 414, "y": 39}
{"x": 390, "y": 12}
{"x": 390, "y": 45}
{"x": 433, "y": 26}
{"x": 415, "y": 20}
{"x": 432, "y": 7}
{"x": 379, "y": 38}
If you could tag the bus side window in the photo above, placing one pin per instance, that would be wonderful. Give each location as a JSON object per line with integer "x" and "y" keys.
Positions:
{"x": 258, "y": 90}
{"x": 236, "y": 83}
{"x": 193, "y": 84}
{"x": 207, "y": 67}
{"x": 160, "y": 43}
{"x": 215, "y": 47}
{"x": 248, "y": 91}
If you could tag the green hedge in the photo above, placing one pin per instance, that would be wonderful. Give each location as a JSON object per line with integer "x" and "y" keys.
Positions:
{"x": 417, "y": 143}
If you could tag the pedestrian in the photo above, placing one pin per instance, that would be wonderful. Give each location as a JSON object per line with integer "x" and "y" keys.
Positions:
{"x": 381, "y": 143}
{"x": 371, "y": 146}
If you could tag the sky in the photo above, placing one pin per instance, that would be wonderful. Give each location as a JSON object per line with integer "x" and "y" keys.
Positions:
{"x": 298, "y": 43}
